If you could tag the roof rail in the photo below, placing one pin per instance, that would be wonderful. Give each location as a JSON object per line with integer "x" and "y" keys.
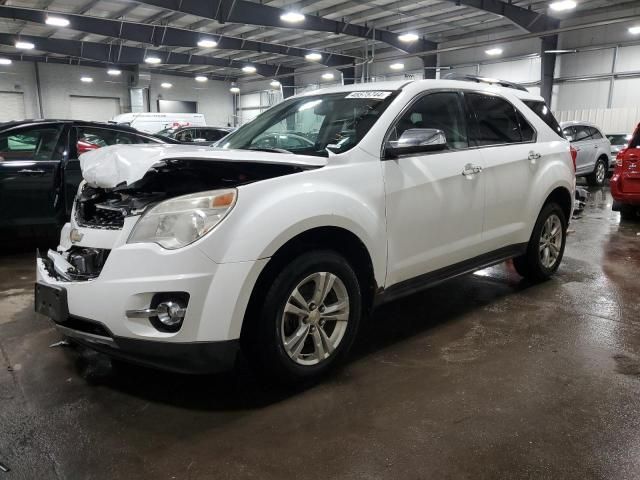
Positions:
{"x": 491, "y": 81}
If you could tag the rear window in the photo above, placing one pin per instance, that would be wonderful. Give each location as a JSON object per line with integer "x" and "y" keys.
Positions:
{"x": 635, "y": 141}
{"x": 541, "y": 109}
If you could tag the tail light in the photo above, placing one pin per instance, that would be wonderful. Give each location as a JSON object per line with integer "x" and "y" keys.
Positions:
{"x": 83, "y": 146}
{"x": 620, "y": 158}
{"x": 574, "y": 156}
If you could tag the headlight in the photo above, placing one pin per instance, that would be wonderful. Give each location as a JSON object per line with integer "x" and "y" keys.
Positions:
{"x": 182, "y": 220}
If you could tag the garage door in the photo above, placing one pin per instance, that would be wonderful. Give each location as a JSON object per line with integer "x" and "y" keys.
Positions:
{"x": 12, "y": 106}
{"x": 98, "y": 109}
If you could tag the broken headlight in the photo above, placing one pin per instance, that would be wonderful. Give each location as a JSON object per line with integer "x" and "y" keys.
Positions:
{"x": 182, "y": 220}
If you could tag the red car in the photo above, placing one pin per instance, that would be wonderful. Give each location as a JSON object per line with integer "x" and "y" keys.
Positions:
{"x": 625, "y": 183}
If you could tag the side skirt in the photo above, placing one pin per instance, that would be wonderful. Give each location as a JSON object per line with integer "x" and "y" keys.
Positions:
{"x": 416, "y": 284}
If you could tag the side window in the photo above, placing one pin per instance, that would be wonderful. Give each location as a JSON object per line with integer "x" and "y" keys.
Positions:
{"x": 212, "y": 135}
{"x": 582, "y": 133}
{"x": 595, "y": 133}
{"x": 526, "y": 130}
{"x": 441, "y": 111}
{"x": 570, "y": 134}
{"x": 185, "y": 136}
{"x": 34, "y": 143}
{"x": 497, "y": 120}
{"x": 541, "y": 109}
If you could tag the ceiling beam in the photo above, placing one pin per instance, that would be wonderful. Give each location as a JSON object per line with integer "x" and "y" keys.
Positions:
{"x": 246, "y": 12}
{"x": 163, "y": 35}
{"x": 119, "y": 54}
{"x": 528, "y": 20}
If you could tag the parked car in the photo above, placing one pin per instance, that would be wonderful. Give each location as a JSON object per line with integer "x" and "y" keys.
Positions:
{"x": 618, "y": 141}
{"x": 201, "y": 135}
{"x": 625, "y": 183}
{"x": 40, "y": 172}
{"x": 593, "y": 148}
{"x": 177, "y": 256}
{"x": 154, "y": 122}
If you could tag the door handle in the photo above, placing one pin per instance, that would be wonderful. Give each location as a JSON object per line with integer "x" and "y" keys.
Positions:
{"x": 470, "y": 169}
{"x": 533, "y": 156}
{"x": 27, "y": 171}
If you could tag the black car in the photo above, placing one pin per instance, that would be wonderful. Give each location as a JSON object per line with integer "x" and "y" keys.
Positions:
{"x": 40, "y": 171}
{"x": 199, "y": 135}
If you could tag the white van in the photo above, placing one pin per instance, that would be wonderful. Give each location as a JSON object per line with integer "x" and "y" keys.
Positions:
{"x": 154, "y": 122}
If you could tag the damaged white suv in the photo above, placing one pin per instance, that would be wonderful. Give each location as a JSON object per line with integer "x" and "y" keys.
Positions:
{"x": 280, "y": 240}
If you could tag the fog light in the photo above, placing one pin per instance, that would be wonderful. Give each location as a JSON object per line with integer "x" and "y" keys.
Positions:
{"x": 170, "y": 314}
{"x": 75, "y": 235}
{"x": 166, "y": 312}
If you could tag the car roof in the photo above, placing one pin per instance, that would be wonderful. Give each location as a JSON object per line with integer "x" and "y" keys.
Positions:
{"x": 85, "y": 123}
{"x": 398, "y": 85}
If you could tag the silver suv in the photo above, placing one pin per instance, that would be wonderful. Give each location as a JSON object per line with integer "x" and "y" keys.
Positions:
{"x": 594, "y": 150}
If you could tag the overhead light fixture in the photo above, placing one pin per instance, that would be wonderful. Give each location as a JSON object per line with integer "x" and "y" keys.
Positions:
{"x": 57, "y": 21}
{"x": 563, "y": 5}
{"x": 275, "y": 83}
{"x": 201, "y": 78}
{"x": 396, "y": 66}
{"x": 207, "y": 43}
{"x": 234, "y": 90}
{"x": 313, "y": 56}
{"x": 25, "y": 45}
{"x": 292, "y": 17}
{"x": 408, "y": 37}
{"x": 249, "y": 69}
{"x": 493, "y": 51}
{"x": 560, "y": 51}
{"x": 153, "y": 60}
{"x": 634, "y": 30}
{"x": 114, "y": 72}
{"x": 166, "y": 85}
{"x": 5, "y": 61}
{"x": 86, "y": 79}
{"x": 328, "y": 76}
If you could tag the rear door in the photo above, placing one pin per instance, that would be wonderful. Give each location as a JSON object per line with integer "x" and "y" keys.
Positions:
{"x": 30, "y": 170}
{"x": 506, "y": 141}
{"x": 586, "y": 147}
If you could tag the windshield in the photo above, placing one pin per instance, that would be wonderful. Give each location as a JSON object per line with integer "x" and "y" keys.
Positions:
{"x": 619, "y": 139}
{"x": 311, "y": 125}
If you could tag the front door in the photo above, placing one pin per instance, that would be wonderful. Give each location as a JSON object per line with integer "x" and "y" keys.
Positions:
{"x": 435, "y": 201}
{"x": 581, "y": 140}
{"x": 30, "y": 159}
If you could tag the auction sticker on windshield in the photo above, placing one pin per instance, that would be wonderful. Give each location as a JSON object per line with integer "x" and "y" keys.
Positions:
{"x": 372, "y": 94}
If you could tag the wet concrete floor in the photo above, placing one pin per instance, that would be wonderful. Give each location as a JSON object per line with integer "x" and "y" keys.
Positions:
{"x": 481, "y": 377}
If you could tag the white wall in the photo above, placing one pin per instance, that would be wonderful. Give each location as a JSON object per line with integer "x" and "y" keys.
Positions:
{"x": 20, "y": 77}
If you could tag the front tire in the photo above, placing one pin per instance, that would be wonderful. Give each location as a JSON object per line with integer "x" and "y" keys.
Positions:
{"x": 308, "y": 319}
{"x": 599, "y": 175}
{"x": 546, "y": 245}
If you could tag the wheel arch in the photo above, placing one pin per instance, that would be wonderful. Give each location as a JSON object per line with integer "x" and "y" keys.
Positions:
{"x": 561, "y": 196}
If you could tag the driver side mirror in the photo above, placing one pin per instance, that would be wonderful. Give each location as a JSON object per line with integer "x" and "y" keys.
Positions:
{"x": 416, "y": 140}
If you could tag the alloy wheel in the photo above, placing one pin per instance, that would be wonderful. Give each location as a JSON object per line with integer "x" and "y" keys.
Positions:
{"x": 600, "y": 172}
{"x": 551, "y": 241}
{"x": 315, "y": 318}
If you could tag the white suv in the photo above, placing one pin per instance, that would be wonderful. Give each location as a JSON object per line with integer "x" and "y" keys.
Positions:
{"x": 177, "y": 256}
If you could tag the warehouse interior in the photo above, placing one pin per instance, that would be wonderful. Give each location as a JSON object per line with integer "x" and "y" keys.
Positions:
{"x": 486, "y": 375}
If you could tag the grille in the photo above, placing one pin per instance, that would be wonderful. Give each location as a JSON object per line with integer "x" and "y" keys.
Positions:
{"x": 92, "y": 217}
{"x": 86, "y": 326}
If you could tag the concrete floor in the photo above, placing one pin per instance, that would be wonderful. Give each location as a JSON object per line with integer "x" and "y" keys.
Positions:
{"x": 481, "y": 377}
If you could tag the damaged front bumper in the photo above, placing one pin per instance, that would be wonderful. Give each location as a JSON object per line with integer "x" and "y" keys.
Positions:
{"x": 95, "y": 308}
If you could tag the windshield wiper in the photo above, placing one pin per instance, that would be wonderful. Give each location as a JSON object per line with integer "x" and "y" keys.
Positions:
{"x": 271, "y": 150}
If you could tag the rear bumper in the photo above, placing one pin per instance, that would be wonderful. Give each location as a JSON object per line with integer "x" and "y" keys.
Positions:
{"x": 621, "y": 197}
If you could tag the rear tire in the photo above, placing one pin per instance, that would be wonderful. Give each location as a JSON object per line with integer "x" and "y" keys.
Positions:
{"x": 546, "y": 246}
{"x": 629, "y": 212}
{"x": 307, "y": 320}
{"x": 599, "y": 175}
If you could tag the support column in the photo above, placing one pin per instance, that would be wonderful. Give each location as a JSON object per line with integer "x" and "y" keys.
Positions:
{"x": 288, "y": 86}
{"x": 547, "y": 67}
{"x": 348, "y": 75}
{"x": 430, "y": 63}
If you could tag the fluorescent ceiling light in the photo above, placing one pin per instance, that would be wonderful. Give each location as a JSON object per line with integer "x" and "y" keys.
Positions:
{"x": 313, "y": 56}
{"x": 153, "y": 60}
{"x": 249, "y": 69}
{"x": 327, "y": 76}
{"x": 86, "y": 79}
{"x": 114, "y": 72}
{"x": 563, "y": 5}
{"x": 292, "y": 17}
{"x": 494, "y": 51}
{"x": 396, "y": 66}
{"x": 5, "y": 61}
{"x": 634, "y": 30}
{"x": 166, "y": 85}
{"x": 234, "y": 90}
{"x": 201, "y": 78}
{"x": 25, "y": 45}
{"x": 57, "y": 21}
{"x": 207, "y": 43}
{"x": 408, "y": 37}
{"x": 275, "y": 83}
{"x": 560, "y": 51}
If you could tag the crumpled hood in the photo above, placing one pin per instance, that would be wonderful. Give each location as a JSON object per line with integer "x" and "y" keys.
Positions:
{"x": 112, "y": 166}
